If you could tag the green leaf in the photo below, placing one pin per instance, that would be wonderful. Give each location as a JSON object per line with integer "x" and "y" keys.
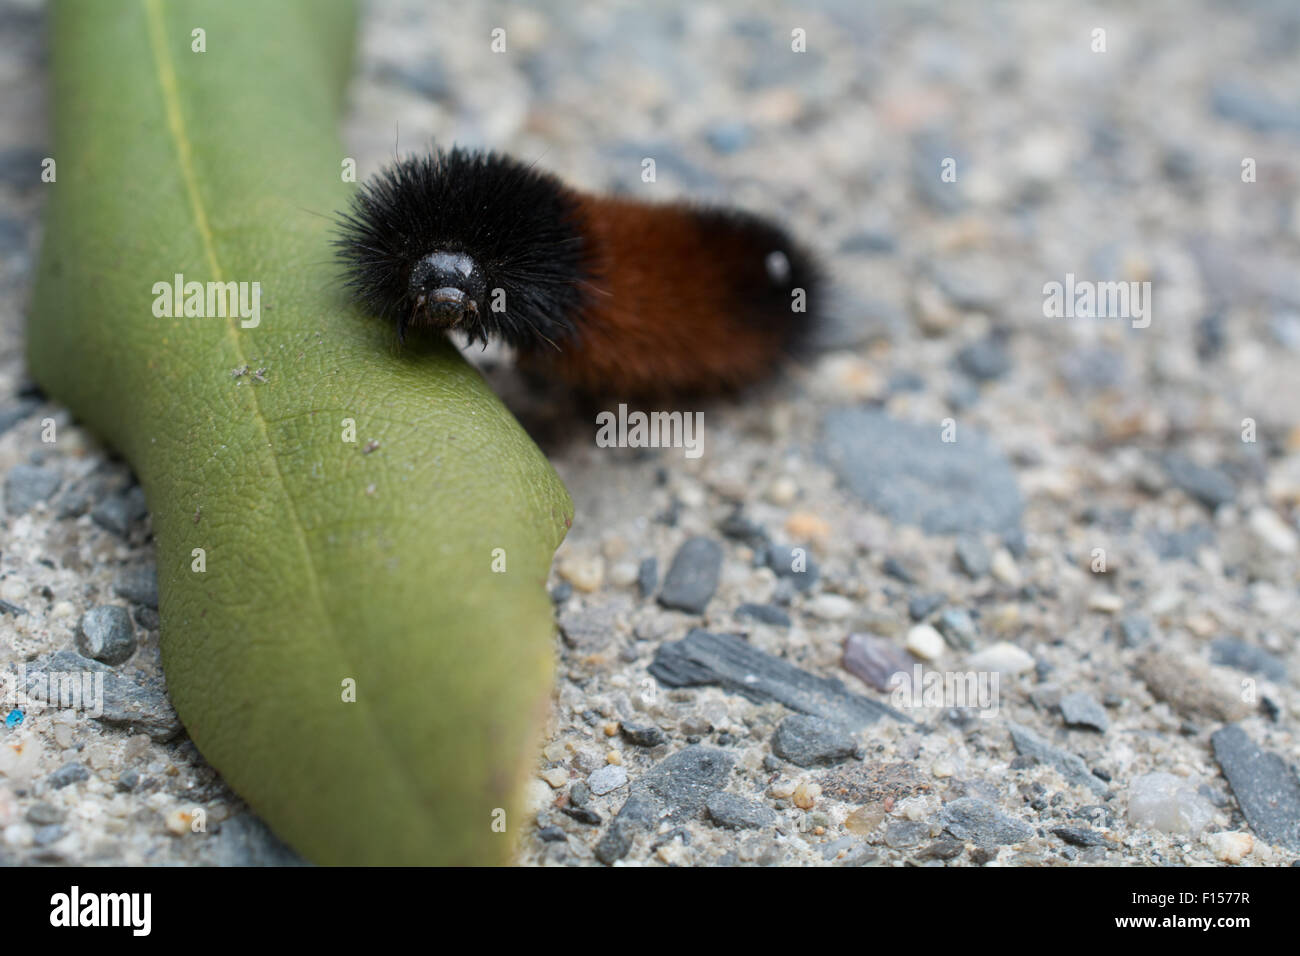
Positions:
{"x": 326, "y": 561}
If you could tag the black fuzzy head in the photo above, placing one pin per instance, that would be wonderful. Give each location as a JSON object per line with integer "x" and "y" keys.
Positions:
{"x": 473, "y": 241}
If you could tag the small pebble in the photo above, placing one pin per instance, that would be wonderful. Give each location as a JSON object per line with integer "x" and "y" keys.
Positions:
{"x": 925, "y": 642}
{"x": 106, "y": 634}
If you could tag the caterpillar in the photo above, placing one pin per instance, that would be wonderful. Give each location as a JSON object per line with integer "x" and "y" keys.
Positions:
{"x": 607, "y": 294}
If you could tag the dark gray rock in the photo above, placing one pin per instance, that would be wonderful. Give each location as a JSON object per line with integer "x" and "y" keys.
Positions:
{"x": 647, "y": 576}
{"x": 738, "y": 527}
{"x": 244, "y": 840}
{"x": 693, "y": 576}
{"x": 812, "y": 741}
{"x": 1236, "y": 653}
{"x": 728, "y": 661}
{"x": 105, "y": 634}
{"x": 958, "y": 629}
{"x": 117, "y": 513}
{"x": 944, "y": 849}
{"x": 1209, "y": 486}
{"x": 1081, "y": 709}
{"x": 875, "y": 659}
{"x": 141, "y": 708}
{"x": 729, "y": 810}
{"x": 1081, "y": 836}
{"x": 985, "y": 361}
{"x": 642, "y": 735}
{"x": 794, "y": 565}
{"x": 26, "y": 486}
{"x": 1265, "y": 785}
{"x": 964, "y": 486}
{"x": 138, "y": 584}
{"x": 674, "y": 790}
{"x": 591, "y": 628}
{"x": 923, "y": 605}
{"x": 983, "y": 824}
{"x": 904, "y": 833}
{"x": 69, "y": 773}
{"x": 1071, "y": 766}
{"x": 764, "y": 614}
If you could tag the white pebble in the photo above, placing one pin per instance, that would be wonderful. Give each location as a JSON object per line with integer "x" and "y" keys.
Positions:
{"x": 1273, "y": 531}
{"x": 1231, "y": 846}
{"x": 607, "y": 779}
{"x": 1002, "y": 657}
{"x": 1169, "y": 804}
{"x": 1104, "y": 601}
{"x": 925, "y": 642}
{"x": 830, "y": 607}
{"x": 783, "y": 491}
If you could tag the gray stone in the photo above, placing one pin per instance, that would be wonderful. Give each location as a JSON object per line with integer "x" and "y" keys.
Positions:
{"x": 44, "y": 836}
{"x": 44, "y": 814}
{"x": 106, "y": 634}
{"x": 1236, "y": 653}
{"x": 642, "y": 735}
{"x": 764, "y": 614}
{"x": 138, "y": 584}
{"x": 693, "y": 576}
{"x": 1081, "y": 836}
{"x": 702, "y": 658}
{"x": 69, "y": 773}
{"x": 985, "y": 360}
{"x": 812, "y": 741}
{"x": 1071, "y": 766}
{"x": 923, "y": 605}
{"x": 728, "y": 810}
{"x": 607, "y": 779}
{"x": 903, "y": 833}
{"x": 1081, "y": 709}
{"x": 983, "y": 824}
{"x": 1265, "y": 785}
{"x": 1209, "y": 486}
{"x": 674, "y": 790}
{"x": 1254, "y": 108}
{"x": 11, "y": 415}
{"x": 958, "y": 629}
{"x": 973, "y": 557}
{"x": 591, "y": 628}
{"x": 141, "y": 708}
{"x": 793, "y": 565}
{"x": 647, "y": 576}
{"x": 245, "y": 840}
{"x": 1134, "y": 630}
{"x": 963, "y": 486}
{"x": 117, "y": 513}
{"x": 875, "y": 660}
{"x": 26, "y": 486}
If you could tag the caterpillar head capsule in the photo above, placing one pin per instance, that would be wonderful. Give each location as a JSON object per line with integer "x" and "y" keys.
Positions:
{"x": 446, "y": 289}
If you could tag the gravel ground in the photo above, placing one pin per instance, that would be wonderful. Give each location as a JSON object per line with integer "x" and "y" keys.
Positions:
{"x": 1093, "y": 516}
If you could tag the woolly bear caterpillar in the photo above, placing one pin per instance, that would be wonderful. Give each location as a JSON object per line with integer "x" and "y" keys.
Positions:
{"x": 609, "y": 294}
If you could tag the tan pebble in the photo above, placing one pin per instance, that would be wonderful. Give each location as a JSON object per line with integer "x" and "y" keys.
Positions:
{"x": 584, "y": 572}
{"x": 614, "y": 757}
{"x": 557, "y": 750}
{"x": 783, "y": 491}
{"x": 1005, "y": 569}
{"x": 806, "y": 794}
{"x": 672, "y": 853}
{"x": 1231, "y": 847}
{"x": 819, "y": 831}
{"x": 1106, "y": 602}
{"x": 613, "y": 547}
{"x": 611, "y": 728}
{"x": 556, "y": 777}
{"x": 806, "y": 526}
{"x": 864, "y": 820}
{"x": 782, "y": 789}
{"x": 178, "y": 822}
